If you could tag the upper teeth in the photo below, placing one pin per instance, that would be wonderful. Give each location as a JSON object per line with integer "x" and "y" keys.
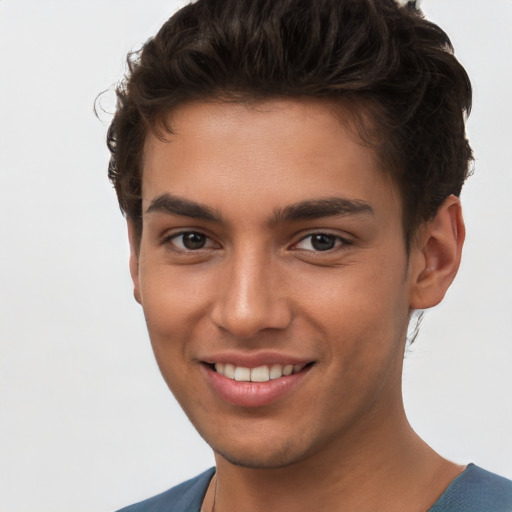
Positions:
{"x": 258, "y": 374}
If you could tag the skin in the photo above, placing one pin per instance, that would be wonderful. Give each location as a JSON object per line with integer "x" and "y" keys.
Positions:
{"x": 339, "y": 439}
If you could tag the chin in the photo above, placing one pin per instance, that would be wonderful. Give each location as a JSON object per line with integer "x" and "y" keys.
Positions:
{"x": 257, "y": 457}
{"x": 272, "y": 461}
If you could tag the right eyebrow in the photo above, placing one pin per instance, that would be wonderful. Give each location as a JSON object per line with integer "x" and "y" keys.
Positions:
{"x": 174, "y": 205}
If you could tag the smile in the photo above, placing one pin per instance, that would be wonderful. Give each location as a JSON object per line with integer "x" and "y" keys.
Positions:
{"x": 254, "y": 381}
{"x": 262, "y": 373}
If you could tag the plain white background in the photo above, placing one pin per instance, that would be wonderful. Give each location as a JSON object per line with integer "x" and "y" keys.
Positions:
{"x": 86, "y": 422}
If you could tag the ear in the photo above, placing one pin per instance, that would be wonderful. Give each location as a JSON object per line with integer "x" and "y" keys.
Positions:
{"x": 435, "y": 255}
{"x": 134, "y": 260}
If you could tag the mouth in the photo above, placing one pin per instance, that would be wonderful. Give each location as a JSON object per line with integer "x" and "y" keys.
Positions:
{"x": 263, "y": 373}
{"x": 256, "y": 379}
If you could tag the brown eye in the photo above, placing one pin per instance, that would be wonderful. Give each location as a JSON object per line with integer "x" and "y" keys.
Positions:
{"x": 321, "y": 242}
{"x": 191, "y": 241}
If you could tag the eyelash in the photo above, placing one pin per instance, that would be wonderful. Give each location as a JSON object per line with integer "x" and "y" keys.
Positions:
{"x": 171, "y": 239}
{"x": 339, "y": 242}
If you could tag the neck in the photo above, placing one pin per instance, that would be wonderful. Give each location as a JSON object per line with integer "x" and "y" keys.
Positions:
{"x": 387, "y": 468}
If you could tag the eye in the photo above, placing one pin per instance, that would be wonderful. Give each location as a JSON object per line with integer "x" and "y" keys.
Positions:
{"x": 191, "y": 241}
{"x": 321, "y": 242}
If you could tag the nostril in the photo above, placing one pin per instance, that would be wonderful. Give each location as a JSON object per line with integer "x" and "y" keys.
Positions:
{"x": 244, "y": 320}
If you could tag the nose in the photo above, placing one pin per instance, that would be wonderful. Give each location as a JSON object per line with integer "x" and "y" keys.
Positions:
{"x": 251, "y": 297}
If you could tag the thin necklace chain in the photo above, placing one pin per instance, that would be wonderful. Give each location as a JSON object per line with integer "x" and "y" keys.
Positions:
{"x": 213, "y": 484}
{"x": 214, "y": 494}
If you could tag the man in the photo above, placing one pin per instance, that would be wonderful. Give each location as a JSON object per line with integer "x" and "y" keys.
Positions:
{"x": 290, "y": 173}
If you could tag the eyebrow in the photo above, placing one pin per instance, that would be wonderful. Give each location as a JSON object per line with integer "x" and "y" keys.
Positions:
{"x": 173, "y": 205}
{"x": 318, "y": 208}
{"x": 303, "y": 210}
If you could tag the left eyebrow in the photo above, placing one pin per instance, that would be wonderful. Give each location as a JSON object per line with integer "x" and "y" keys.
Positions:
{"x": 318, "y": 208}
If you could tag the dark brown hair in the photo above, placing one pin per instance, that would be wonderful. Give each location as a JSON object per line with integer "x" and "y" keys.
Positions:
{"x": 387, "y": 63}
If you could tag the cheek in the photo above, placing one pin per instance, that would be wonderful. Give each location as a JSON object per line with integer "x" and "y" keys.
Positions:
{"x": 174, "y": 304}
{"x": 356, "y": 295}
{"x": 172, "y": 299}
{"x": 362, "y": 309}
{"x": 366, "y": 328}
{"x": 168, "y": 310}
{"x": 169, "y": 305}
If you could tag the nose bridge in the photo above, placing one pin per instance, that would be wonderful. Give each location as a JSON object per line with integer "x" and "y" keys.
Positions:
{"x": 249, "y": 299}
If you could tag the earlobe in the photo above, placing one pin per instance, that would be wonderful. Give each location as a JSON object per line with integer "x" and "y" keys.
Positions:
{"x": 437, "y": 255}
{"x": 134, "y": 260}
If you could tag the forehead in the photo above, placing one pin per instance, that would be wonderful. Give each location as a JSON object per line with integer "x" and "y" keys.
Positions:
{"x": 229, "y": 155}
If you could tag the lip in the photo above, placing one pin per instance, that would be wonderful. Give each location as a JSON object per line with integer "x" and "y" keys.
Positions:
{"x": 253, "y": 360}
{"x": 253, "y": 394}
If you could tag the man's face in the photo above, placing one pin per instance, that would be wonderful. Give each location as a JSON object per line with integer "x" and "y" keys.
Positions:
{"x": 272, "y": 240}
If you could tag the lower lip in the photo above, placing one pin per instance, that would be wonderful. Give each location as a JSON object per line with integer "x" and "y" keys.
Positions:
{"x": 253, "y": 394}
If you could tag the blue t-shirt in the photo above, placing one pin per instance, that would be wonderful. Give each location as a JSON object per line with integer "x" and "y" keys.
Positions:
{"x": 474, "y": 490}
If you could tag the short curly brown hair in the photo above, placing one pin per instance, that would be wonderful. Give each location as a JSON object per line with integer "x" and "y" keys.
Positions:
{"x": 386, "y": 61}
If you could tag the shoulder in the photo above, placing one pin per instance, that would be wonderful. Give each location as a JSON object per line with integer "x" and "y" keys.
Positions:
{"x": 185, "y": 497}
{"x": 476, "y": 490}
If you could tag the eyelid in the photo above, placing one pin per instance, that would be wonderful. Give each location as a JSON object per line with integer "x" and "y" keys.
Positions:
{"x": 344, "y": 241}
{"x": 169, "y": 237}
